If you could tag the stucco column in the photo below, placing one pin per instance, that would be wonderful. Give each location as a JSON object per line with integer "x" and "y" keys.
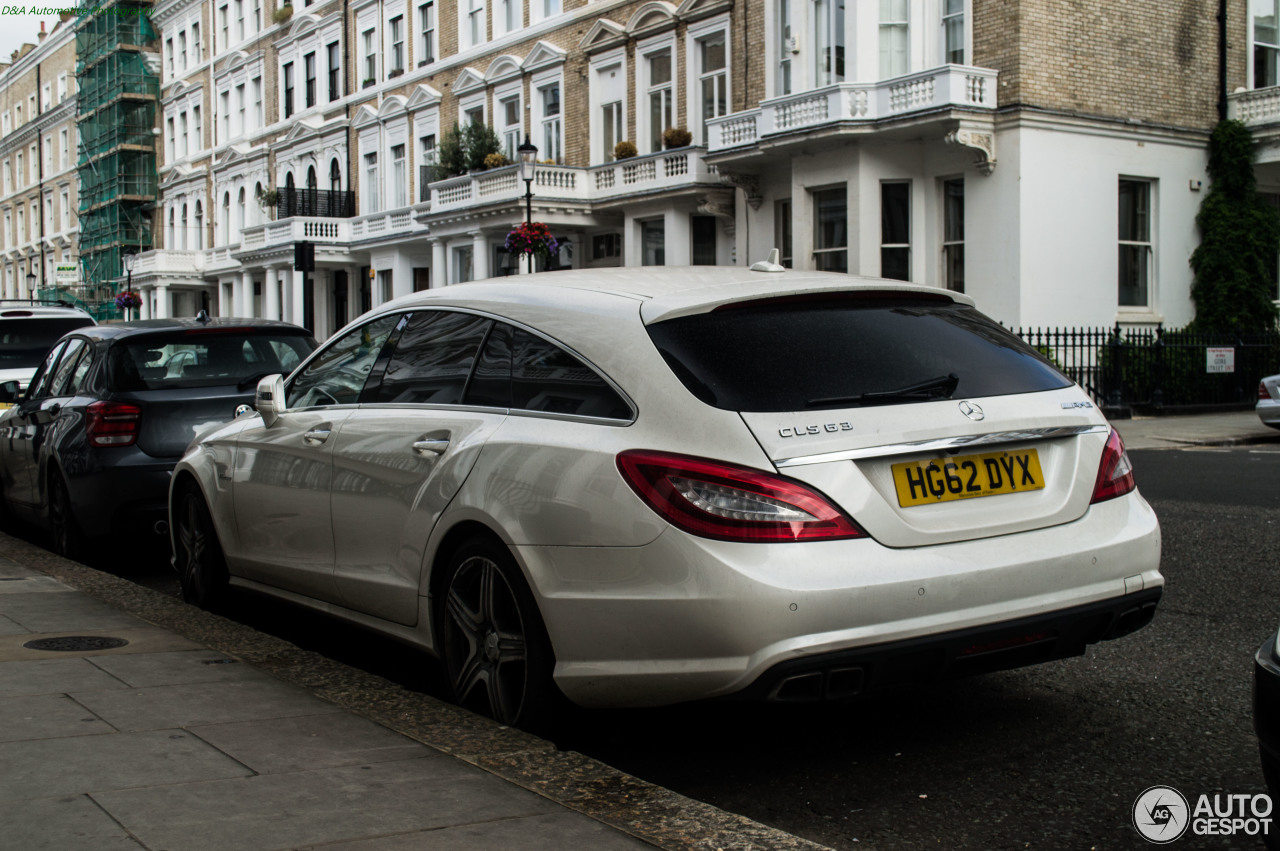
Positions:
{"x": 353, "y": 294}
{"x": 323, "y": 285}
{"x": 479, "y": 256}
{"x": 144, "y": 309}
{"x": 271, "y": 296}
{"x": 162, "y": 302}
{"x": 298, "y": 300}
{"x": 677, "y": 240}
{"x": 439, "y": 255}
{"x": 402, "y": 274}
{"x": 246, "y": 294}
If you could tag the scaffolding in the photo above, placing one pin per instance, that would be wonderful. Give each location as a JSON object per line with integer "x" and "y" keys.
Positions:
{"x": 118, "y": 90}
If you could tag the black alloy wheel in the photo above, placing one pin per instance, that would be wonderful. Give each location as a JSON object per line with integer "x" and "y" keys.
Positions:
{"x": 202, "y": 570}
{"x": 68, "y": 540}
{"x": 492, "y": 640}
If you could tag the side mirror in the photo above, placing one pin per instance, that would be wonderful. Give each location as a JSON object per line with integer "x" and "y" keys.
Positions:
{"x": 269, "y": 399}
{"x": 10, "y": 392}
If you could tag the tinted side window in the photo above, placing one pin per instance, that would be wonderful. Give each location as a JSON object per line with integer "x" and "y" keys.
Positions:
{"x": 75, "y": 351}
{"x": 544, "y": 377}
{"x": 40, "y": 381}
{"x": 491, "y": 382}
{"x": 433, "y": 358}
{"x": 338, "y": 373}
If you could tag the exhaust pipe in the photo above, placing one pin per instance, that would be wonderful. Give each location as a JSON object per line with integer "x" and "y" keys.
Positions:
{"x": 162, "y": 527}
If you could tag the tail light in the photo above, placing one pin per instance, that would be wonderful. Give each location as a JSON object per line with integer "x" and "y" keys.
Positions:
{"x": 731, "y": 503}
{"x": 1115, "y": 473}
{"x": 113, "y": 424}
{"x": 1263, "y": 395}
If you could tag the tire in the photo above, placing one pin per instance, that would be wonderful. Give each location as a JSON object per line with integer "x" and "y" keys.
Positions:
{"x": 495, "y": 649}
{"x": 68, "y": 540}
{"x": 202, "y": 570}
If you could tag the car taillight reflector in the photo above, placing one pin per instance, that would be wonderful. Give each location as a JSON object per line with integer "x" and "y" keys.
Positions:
{"x": 1263, "y": 395}
{"x": 1115, "y": 473}
{"x": 726, "y": 502}
{"x": 113, "y": 423}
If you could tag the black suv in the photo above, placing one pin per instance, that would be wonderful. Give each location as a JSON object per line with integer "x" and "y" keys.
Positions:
{"x": 88, "y": 449}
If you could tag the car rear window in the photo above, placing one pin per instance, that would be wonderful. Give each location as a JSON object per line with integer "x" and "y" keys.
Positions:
{"x": 204, "y": 358}
{"x": 24, "y": 342}
{"x": 845, "y": 352}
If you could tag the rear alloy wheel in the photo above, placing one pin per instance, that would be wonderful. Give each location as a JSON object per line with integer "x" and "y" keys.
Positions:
{"x": 491, "y": 638}
{"x": 202, "y": 571}
{"x": 68, "y": 540}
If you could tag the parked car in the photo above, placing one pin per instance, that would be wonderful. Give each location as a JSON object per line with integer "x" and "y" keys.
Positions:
{"x": 1266, "y": 718}
{"x": 28, "y": 329}
{"x": 640, "y": 486}
{"x": 1268, "y": 406}
{"x": 89, "y": 447}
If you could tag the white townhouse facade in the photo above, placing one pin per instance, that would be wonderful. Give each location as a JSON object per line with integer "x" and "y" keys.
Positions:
{"x": 1047, "y": 160}
{"x": 39, "y": 197}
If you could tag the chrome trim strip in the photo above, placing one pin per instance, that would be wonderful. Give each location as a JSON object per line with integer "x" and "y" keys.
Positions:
{"x": 944, "y": 444}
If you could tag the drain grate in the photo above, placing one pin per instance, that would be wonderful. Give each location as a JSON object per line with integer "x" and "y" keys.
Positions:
{"x": 76, "y": 643}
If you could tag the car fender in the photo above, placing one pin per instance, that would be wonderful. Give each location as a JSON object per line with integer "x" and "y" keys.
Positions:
{"x": 209, "y": 460}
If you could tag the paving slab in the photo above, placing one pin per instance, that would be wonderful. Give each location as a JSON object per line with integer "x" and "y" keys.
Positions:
{"x": 62, "y": 612}
{"x": 70, "y": 823}
{"x": 10, "y": 569}
{"x": 551, "y": 832}
{"x": 182, "y": 667}
{"x": 194, "y": 704}
{"x": 48, "y": 768}
{"x": 12, "y": 627}
{"x": 140, "y": 638}
{"x": 310, "y": 742}
{"x": 53, "y": 676}
{"x": 284, "y": 811}
{"x": 30, "y": 585}
{"x": 46, "y": 716}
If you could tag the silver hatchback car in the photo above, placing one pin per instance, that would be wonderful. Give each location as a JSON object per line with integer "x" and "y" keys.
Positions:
{"x": 644, "y": 486}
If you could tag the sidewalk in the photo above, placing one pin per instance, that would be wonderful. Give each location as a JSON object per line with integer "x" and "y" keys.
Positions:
{"x": 201, "y": 733}
{"x": 1228, "y": 429}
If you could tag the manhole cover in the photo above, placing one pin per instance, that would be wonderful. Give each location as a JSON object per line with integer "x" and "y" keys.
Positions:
{"x": 74, "y": 643}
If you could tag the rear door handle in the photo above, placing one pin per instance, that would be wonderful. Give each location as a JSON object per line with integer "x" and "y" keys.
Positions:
{"x": 316, "y": 436}
{"x": 431, "y": 446}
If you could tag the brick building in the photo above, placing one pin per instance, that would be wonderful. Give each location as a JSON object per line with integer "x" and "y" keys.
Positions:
{"x": 1048, "y": 159}
{"x": 39, "y": 248}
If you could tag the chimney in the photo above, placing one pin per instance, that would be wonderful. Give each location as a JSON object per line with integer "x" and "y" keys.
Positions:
{"x": 42, "y": 32}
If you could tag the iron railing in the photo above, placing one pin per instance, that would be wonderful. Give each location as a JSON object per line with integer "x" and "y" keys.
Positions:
{"x": 1151, "y": 370}
{"x": 320, "y": 203}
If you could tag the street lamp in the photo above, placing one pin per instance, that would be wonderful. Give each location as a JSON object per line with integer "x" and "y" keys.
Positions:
{"x": 130, "y": 260}
{"x": 528, "y": 157}
{"x": 31, "y": 285}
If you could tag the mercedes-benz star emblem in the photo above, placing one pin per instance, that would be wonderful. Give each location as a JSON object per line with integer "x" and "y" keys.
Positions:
{"x": 971, "y": 411}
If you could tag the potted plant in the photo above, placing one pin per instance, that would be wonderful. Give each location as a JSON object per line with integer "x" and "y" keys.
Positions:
{"x": 282, "y": 13}
{"x": 127, "y": 301}
{"x": 268, "y": 198}
{"x": 494, "y": 161}
{"x": 533, "y": 238}
{"x": 367, "y": 83}
{"x": 624, "y": 150}
{"x": 676, "y": 137}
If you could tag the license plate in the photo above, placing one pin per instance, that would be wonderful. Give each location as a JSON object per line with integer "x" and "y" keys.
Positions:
{"x": 967, "y": 477}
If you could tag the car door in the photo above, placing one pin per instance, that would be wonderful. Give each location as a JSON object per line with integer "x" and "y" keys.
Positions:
{"x": 283, "y": 473}
{"x": 22, "y": 428}
{"x": 404, "y": 454}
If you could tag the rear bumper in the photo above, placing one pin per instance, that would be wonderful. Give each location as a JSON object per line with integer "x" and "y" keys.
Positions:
{"x": 1269, "y": 412}
{"x": 981, "y": 650}
{"x": 130, "y": 496}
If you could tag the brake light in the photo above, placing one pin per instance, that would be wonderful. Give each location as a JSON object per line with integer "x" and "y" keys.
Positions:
{"x": 113, "y": 424}
{"x": 1115, "y": 473}
{"x": 726, "y": 502}
{"x": 1263, "y": 395}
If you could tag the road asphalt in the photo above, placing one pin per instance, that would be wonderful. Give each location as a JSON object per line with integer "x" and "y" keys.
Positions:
{"x": 201, "y": 733}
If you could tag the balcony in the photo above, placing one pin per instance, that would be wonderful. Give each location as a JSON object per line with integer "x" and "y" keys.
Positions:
{"x": 503, "y": 185}
{"x": 318, "y": 203}
{"x": 947, "y": 87}
{"x": 385, "y": 225}
{"x": 322, "y": 231}
{"x": 165, "y": 262}
{"x": 651, "y": 173}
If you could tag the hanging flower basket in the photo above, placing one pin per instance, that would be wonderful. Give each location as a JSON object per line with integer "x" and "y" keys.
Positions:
{"x": 127, "y": 300}
{"x": 532, "y": 239}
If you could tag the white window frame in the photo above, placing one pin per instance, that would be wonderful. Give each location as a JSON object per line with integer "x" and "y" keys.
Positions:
{"x": 951, "y": 244}
{"x": 540, "y": 10}
{"x": 508, "y": 16}
{"x": 697, "y": 34}
{"x": 428, "y": 27}
{"x": 470, "y": 104}
{"x": 1147, "y": 246}
{"x": 1260, "y": 47}
{"x": 890, "y": 67}
{"x": 550, "y": 128}
{"x": 602, "y": 93}
{"x": 370, "y": 173}
{"x": 369, "y": 56}
{"x": 397, "y": 50}
{"x": 826, "y": 18}
{"x": 399, "y": 174}
{"x": 961, "y": 16}
{"x": 783, "y": 80}
{"x": 471, "y": 24}
{"x": 898, "y": 246}
{"x": 508, "y": 132}
{"x": 644, "y": 51}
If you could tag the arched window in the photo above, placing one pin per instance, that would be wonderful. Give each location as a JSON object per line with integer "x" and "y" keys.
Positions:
{"x": 182, "y": 234}
{"x": 169, "y": 240}
{"x": 199, "y": 234}
{"x": 311, "y": 177}
{"x": 335, "y": 176}
{"x": 260, "y": 215}
{"x": 226, "y": 218}
{"x": 240, "y": 204}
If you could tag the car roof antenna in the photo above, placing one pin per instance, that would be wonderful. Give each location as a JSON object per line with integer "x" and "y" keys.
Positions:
{"x": 203, "y": 317}
{"x": 773, "y": 264}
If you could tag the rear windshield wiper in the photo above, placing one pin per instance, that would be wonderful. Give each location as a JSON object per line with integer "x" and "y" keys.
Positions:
{"x": 934, "y": 388}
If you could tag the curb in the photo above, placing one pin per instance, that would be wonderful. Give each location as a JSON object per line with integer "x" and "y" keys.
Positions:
{"x": 643, "y": 810}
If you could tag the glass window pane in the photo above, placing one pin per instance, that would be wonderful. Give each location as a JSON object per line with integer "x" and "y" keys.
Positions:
{"x": 338, "y": 374}
{"x": 546, "y": 378}
{"x": 1133, "y": 275}
{"x": 433, "y": 358}
{"x": 895, "y": 213}
{"x": 660, "y": 68}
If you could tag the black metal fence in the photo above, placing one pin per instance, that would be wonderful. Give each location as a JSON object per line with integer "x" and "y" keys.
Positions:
{"x": 1152, "y": 370}
{"x": 324, "y": 203}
